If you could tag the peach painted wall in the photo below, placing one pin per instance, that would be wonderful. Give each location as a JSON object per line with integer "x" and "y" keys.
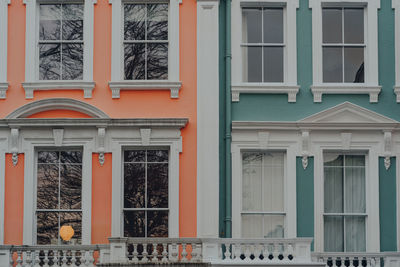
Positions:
{"x": 14, "y": 200}
{"x": 132, "y": 104}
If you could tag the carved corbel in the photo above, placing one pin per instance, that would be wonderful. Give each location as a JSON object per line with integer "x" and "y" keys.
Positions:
{"x": 346, "y": 141}
{"x": 58, "y": 135}
{"x": 145, "y": 135}
{"x": 263, "y": 139}
{"x": 387, "y": 139}
{"x": 14, "y": 145}
{"x": 101, "y": 136}
{"x": 305, "y": 147}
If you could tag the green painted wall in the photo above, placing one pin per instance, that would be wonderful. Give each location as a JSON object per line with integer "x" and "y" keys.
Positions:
{"x": 305, "y": 198}
{"x": 276, "y": 107}
{"x": 387, "y": 205}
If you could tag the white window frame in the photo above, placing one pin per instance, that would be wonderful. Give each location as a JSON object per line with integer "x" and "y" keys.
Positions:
{"x": 256, "y": 141}
{"x": 396, "y": 7}
{"x": 118, "y": 82}
{"x": 32, "y": 82}
{"x": 289, "y": 85}
{"x": 371, "y": 81}
{"x": 3, "y": 150}
{"x": 3, "y": 47}
{"x": 146, "y": 138}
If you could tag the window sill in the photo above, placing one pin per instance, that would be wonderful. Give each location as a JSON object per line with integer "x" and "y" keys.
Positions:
{"x": 371, "y": 90}
{"x": 264, "y": 88}
{"x": 30, "y": 87}
{"x": 3, "y": 90}
{"x": 145, "y": 85}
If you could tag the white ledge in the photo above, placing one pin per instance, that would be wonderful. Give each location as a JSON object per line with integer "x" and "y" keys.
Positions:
{"x": 30, "y": 87}
{"x": 371, "y": 90}
{"x": 262, "y": 88}
{"x": 397, "y": 92}
{"x": 3, "y": 90}
{"x": 145, "y": 85}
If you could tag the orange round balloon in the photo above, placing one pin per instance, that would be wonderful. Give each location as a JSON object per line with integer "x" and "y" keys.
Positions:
{"x": 66, "y": 232}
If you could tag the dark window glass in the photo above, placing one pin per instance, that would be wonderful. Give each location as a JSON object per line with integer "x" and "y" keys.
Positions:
{"x": 273, "y": 25}
{"x": 252, "y": 25}
{"x": 354, "y": 64}
{"x": 354, "y": 26}
{"x": 273, "y": 64}
{"x": 135, "y": 61}
{"x": 253, "y": 60}
{"x": 332, "y": 25}
{"x": 333, "y": 64}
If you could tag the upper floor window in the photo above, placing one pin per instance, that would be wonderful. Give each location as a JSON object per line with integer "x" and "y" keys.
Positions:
{"x": 146, "y": 41}
{"x": 344, "y": 203}
{"x": 343, "y": 45}
{"x": 263, "y": 44}
{"x": 61, "y": 42}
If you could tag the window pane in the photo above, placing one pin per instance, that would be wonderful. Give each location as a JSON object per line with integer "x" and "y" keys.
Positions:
{"x": 333, "y": 159}
{"x": 355, "y": 160}
{"x": 273, "y": 182}
{"x": 71, "y": 186}
{"x": 273, "y": 64}
{"x": 273, "y": 25}
{"x": 47, "y": 186}
{"x": 134, "y": 223}
{"x": 157, "y": 61}
{"x": 333, "y": 189}
{"x": 252, "y": 185}
{"x": 134, "y": 61}
{"x": 48, "y": 157}
{"x": 157, "y": 224}
{"x": 333, "y": 234}
{"x": 134, "y": 21}
{"x": 355, "y": 233}
{"x": 49, "y": 62}
{"x": 50, "y": 22}
{"x": 72, "y": 61}
{"x": 134, "y": 155}
{"x": 354, "y": 64}
{"x": 252, "y": 25}
{"x": 47, "y": 228}
{"x": 157, "y": 185}
{"x": 134, "y": 185}
{"x": 73, "y": 219}
{"x": 273, "y": 226}
{"x": 72, "y": 28}
{"x": 74, "y": 157}
{"x": 333, "y": 66}
{"x": 157, "y": 155}
{"x": 157, "y": 23}
{"x": 355, "y": 189}
{"x": 252, "y": 226}
{"x": 332, "y": 25}
{"x": 252, "y": 62}
{"x": 353, "y": 26}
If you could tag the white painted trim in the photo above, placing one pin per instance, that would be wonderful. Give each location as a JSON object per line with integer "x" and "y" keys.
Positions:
{"x": 145, "y": 85}
{"x": 396, "y": 7}
{"x": 397, "y": 198}
{"x": 370, "y": 55}
{"x": 32, "y": 81}
{"x": 3, "y": 149}
{"x": 117, "y": 62}
{"x": 263, "y": 88}
{"x": 86, "y": 87}
{"x": 276, "y": 141}
{"x": 207, "y": 119}
{"x": 290, "y": 52}
{"x": 159, "y": 138}
{"x": 3, "y": 47}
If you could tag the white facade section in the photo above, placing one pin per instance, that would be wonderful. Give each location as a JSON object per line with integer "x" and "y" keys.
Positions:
{"x": 207, "y": 119}
{"x": 117, "y": 82}
{"x": 289, "y": 86}
{"x": 3, "y": 47}
{"x": 396, "y": 7}
{"x": 370, "y": 86}
{"x": 32, "y": 82}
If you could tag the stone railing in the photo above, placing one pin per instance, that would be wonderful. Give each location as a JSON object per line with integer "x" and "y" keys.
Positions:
{"x": 358, "y": 259}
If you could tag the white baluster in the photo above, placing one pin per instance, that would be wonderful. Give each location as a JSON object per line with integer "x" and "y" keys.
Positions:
{"x": 247, "y": 253}
{"x": 37, "y": 259}
{"x": 19, "y": 259}
{"x": 227, "y": 253}
{"x": 199, "y": 252}
{"x": 145, "y": 253}
{"x": 193, "y": 254}
{"x": 164, "y": 253}
{"x": 290, "y": 251}
{"x": 88, "y": 258}
{"x": 371, "y": 262}
{"x": 238, "y": 252}
{"x": 29, "y": 258}
{"x": 173, "y": 253}
{"x": 46, "y": 258}
{"x": 55, "y": 258}
{"x": 285, "y": 251}
{"x": 135, "y": 254}
{"x": 275, "y": 252}
{"x": 155, "y": 253}
{"x": 73, "y": 258}
{"x": 64, "y": 258}
{"x": 184, "y": 253}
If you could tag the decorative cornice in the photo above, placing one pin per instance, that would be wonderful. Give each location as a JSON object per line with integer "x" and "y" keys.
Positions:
{"x": 372, "y": 91}
{"x": 117, "y": 86}
{"x": 260, "y": 88}
{"x": 30, "y": 87}
{"x": 3, "y": 90}
{"x": 101, "y": 135}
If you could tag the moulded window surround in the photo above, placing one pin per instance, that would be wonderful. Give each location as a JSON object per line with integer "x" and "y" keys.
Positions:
{"x": 3, "y": 150}
{"x": 289, "y": 85}
{"x": 396, "y": 7}
{"x": 118, "y": 81}
{"x": 370, "y": 85}
{"x": 32, "y": 81}
{"x": 3, "y": 47}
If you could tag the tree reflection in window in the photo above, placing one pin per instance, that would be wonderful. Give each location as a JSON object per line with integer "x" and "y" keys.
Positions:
{"x": 59, "y": 195}
{"x": 146, "y": 193}
{"x": 146, "y": 41}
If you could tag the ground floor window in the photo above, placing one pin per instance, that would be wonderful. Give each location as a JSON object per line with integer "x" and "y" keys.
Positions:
{"x": 146, "y": 202}
{"x": 263, "y": 214}
{"x": 344, "y": 203}
{"x": 59, "y": 195}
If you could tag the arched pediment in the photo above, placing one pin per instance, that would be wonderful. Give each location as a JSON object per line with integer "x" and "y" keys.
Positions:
{"x": 57, "y": 104}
